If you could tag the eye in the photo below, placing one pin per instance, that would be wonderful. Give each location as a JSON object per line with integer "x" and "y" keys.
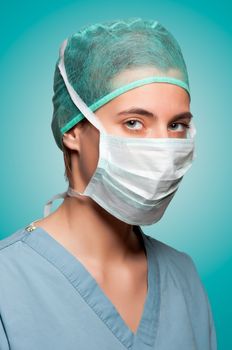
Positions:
{"x": 179, "y": 126}
{"x": 133, "y": 122}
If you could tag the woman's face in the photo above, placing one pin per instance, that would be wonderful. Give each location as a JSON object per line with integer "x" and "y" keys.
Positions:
{"x": 153, "y": 110}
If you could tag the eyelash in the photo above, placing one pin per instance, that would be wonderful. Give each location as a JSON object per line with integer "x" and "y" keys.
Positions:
{"x": 185, "y": 125}
{"x": 137, "y": 130}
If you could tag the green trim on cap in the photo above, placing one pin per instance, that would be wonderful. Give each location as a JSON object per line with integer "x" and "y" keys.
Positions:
{"x": 121, "y": 90}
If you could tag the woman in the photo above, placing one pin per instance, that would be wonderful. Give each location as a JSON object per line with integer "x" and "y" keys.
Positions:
{"x": 86, "y": 276}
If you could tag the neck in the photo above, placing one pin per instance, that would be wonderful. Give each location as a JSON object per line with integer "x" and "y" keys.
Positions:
{"x": 94, "y": 232}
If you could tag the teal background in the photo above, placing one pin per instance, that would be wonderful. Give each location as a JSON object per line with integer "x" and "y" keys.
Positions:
{"x": 198, "y": 220}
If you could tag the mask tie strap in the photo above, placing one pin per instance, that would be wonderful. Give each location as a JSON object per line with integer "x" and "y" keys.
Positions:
{"x": 73, "y": 193}
{"x": 80, "y": 104}
{"x": 48, "y": 205}
{"x": 69, "y": 192}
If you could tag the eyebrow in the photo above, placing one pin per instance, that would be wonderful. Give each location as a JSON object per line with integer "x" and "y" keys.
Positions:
{"x": 146, "y": 113}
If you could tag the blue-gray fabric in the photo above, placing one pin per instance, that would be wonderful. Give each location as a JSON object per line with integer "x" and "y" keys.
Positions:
{"x": 49, "y": 300}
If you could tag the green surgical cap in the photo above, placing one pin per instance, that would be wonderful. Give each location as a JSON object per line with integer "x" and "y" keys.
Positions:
{"x": 104, "y": 60}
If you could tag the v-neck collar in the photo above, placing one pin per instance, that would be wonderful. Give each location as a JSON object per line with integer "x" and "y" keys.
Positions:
{"x": 88, "y": 288}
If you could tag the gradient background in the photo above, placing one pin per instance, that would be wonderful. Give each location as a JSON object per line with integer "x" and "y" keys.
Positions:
{"x": 198, "y": 220}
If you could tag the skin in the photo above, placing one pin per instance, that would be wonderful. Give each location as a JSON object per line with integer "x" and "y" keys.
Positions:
{"x": 105, "y": 245}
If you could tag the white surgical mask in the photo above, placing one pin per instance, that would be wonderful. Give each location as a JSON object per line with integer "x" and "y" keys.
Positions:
{"x": 135, "y": 178}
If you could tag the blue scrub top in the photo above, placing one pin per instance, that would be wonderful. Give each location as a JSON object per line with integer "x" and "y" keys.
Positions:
{"x": 49, "y": 300}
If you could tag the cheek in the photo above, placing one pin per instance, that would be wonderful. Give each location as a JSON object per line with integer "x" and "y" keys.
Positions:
{"x": 178, "y": 134}
{"x": 89, "y": 156}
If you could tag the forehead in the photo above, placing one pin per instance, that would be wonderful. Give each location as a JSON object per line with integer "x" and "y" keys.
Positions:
{"x": 153, "y": 96}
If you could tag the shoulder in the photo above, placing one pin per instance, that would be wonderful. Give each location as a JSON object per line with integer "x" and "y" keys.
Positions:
{"x": 177, "y": 265}
{"x": 12, "y": 248}
{"x": 19, "y": 262}
{"x": 178, "y": 270}
{"x": 12, "y": 239}
{"x": 179, "y": 274}
{"x": 171, "y": 255}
